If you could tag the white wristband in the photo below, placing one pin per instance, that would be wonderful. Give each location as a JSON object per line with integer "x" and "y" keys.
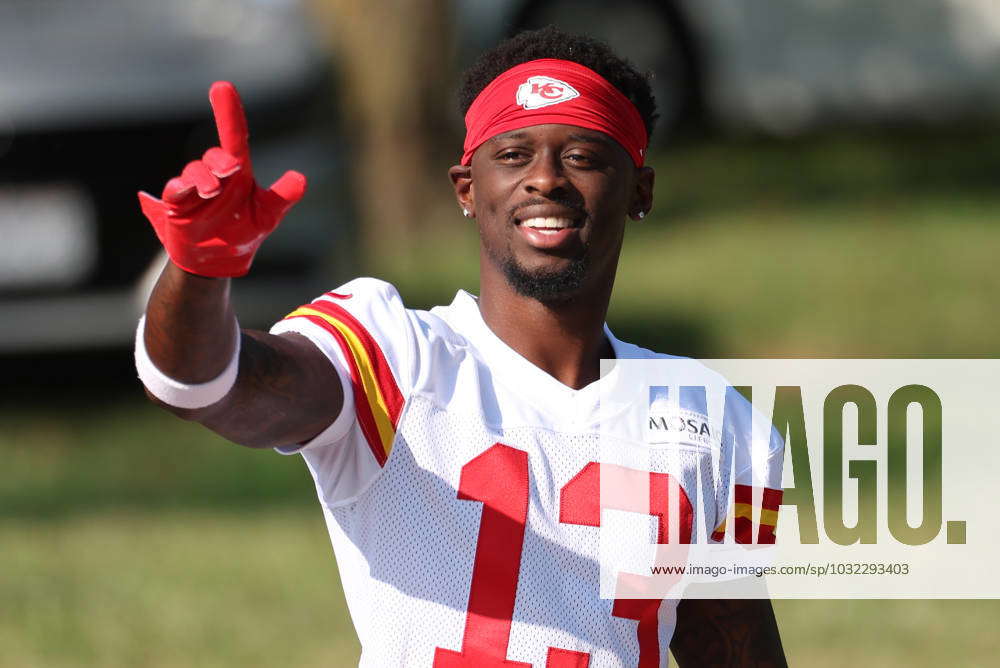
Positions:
{"x": 174, "y": 392}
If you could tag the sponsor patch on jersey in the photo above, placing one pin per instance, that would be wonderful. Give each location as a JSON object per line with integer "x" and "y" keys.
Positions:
{"x": 679, "y": 421}
{"x": 542, "y": 91}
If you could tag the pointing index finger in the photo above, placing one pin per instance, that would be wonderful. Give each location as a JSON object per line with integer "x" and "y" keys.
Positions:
{"x": 229, "y": 118}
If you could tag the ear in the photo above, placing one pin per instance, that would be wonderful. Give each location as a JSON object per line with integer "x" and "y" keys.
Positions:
{"x": 461, "y": 179}
{"x": 642, "y": 196}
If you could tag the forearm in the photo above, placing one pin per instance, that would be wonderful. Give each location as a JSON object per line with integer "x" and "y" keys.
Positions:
{"x": 189, "y": 332}
{"x": 720, "y": 632}
{"x": 286, "y": 390}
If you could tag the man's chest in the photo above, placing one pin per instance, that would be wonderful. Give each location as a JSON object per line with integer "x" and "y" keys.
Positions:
{"x": 509, "y": 526}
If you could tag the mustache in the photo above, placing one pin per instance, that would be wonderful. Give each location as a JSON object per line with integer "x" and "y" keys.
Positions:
{"x": 572, "y": 205}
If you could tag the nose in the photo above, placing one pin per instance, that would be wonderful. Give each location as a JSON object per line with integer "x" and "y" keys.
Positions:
{"x": 546, "y": 176}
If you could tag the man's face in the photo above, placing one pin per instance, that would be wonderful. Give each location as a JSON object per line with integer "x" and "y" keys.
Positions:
{"x": 551, "y": 202}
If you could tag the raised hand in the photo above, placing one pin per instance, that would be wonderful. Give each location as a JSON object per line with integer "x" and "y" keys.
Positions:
{"x": 213, "y": 217}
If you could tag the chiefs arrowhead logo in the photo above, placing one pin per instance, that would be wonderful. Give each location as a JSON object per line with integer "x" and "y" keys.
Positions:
{"x": 543, "y": 91}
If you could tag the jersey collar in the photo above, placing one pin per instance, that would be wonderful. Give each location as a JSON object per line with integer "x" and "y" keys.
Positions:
{"x": 527, "y": 377}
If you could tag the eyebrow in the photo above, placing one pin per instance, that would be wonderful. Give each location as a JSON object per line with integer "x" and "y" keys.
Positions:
{"x": 516, "y": 134}
{"x": 592, "y": 139}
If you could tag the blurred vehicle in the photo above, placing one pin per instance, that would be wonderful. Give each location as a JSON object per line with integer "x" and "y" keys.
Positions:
{"x": 102, "y": 99}
{"x": 783, "y": 67}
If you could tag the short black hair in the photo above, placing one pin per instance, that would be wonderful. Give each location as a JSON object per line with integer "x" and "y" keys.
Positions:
{"x": 551, "y": 42}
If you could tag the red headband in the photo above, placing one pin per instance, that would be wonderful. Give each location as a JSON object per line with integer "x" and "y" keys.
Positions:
{"x": 554, "y": 91}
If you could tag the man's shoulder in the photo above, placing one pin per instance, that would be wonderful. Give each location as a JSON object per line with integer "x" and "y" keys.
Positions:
{"x": 362, "y": 289}
{"x": 380, "y": 305}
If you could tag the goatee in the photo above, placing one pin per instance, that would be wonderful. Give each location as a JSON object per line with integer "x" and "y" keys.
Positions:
{"x": 545, "y": 285}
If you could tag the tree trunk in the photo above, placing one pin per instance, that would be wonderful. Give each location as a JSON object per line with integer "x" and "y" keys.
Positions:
{"x": 395, "y": 60}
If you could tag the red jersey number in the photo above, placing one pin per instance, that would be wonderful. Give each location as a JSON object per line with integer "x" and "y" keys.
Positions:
{"x": 499, "y": 479}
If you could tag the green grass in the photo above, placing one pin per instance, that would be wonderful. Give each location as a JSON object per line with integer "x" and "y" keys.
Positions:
{"x": 171, "y": 588}
{"x": 876, "y": 634}
{"x": 131, "y": 538}
{"x": 82, "y": 456}
{"x": 854, "y": 281}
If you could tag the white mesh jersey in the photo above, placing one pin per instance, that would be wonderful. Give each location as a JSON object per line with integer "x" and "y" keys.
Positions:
{"x": 460, "y": 489}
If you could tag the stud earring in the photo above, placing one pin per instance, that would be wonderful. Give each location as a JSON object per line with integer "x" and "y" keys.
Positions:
{"x": 641, "y": 215}
{"x": 466, "y": 213}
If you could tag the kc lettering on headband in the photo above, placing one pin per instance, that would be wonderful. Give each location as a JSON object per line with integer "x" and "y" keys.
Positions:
{"x": 554, "y": 91}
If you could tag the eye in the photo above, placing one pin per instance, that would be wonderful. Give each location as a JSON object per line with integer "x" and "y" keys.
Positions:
{"x": 511, "y": 155}
{"x": 581, "y": 160}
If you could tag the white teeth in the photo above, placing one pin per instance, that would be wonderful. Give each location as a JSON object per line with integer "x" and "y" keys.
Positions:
{"x": 548, "y": 223}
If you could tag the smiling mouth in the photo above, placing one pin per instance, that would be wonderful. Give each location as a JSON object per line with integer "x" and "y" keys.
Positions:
{"x": 548, "y": 225}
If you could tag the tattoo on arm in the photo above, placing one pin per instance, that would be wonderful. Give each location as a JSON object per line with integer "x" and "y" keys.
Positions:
{"x": 287, "y": 392}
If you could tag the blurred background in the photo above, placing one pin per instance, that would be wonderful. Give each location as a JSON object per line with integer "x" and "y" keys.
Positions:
{"x": 828, "y": 185}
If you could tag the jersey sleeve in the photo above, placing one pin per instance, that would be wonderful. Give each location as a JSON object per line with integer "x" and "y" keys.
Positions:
{"x": 367, "y": 335}
{"x": 753, "y": 451}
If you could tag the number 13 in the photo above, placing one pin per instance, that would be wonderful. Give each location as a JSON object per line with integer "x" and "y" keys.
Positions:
{"x": 499, "y": 479}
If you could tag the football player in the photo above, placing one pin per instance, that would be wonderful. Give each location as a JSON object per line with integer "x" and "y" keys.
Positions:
{"x": 455, "y": 451}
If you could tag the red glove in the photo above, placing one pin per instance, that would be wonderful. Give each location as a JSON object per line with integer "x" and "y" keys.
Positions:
{"x": 214, "y": 216}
